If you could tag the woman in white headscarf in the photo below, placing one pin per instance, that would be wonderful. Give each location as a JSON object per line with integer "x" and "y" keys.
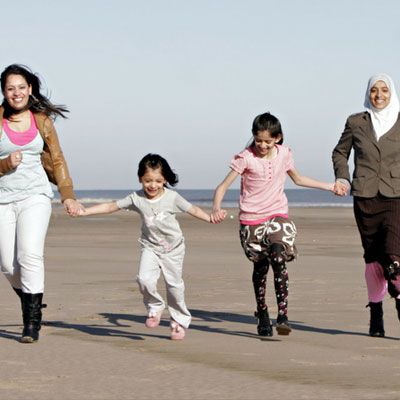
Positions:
{"x": 374, "y": 135}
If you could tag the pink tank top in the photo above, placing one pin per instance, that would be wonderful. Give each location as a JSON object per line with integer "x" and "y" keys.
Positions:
{"x": 21, "y": 138}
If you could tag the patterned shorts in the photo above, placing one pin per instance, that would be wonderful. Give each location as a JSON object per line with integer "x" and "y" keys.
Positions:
{"x": 256, "y": 239}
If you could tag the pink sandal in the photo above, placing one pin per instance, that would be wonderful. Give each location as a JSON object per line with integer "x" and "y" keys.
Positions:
{"x": 153, "y": 319}
{"x": 177, "y": 331}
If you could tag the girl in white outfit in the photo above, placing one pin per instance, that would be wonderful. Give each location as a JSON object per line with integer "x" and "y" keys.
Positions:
{"x": 163, "y": 247}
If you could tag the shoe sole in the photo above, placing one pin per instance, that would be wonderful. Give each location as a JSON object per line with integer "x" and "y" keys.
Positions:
{"x": 265, "y": 332}
{"x": 177, "y": 335}
{"x": 283, "y": 329}
{"x": 377, "y": 334}
{"x": 28, "y": 339}
{"x": 177, "y": 338}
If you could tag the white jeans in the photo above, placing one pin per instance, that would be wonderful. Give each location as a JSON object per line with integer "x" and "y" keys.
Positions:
{"x": 23, "y": 228}
{"x": 170, "y": 264}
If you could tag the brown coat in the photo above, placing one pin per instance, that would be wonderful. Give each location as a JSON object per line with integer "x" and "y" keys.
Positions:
{"x": 53, "y": 160}
{"x": 376, "y": 163}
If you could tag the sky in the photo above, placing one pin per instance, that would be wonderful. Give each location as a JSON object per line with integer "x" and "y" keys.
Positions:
{"x": 185, "y": 79}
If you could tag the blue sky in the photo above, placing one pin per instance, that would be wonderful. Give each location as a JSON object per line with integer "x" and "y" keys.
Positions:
{"x": 185, "y": 79}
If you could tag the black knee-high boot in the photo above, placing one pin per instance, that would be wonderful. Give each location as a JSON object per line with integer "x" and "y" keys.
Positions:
{"x": 376, "y": 328}
{"x": 32, "y": 316}
{"x": 398, "y": 308}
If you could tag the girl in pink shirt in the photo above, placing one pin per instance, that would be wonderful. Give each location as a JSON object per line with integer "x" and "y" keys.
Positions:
{"x": 266, "y": 233}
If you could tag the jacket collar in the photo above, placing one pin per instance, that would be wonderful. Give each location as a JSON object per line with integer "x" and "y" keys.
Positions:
{"x": 368, "y": 130}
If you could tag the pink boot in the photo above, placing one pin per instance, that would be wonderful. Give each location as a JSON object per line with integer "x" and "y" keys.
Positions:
{"x": 153, "y": 319}
{"x": 177, "y": 331}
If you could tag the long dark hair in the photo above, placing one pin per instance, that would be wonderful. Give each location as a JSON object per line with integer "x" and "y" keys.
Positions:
{"x": 267, "y": 122}
{"x": 155, "y": 161}
{"x": 37, "y": 103}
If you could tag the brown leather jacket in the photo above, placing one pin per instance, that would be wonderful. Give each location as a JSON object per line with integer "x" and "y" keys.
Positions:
{"x": 53, "y": 160}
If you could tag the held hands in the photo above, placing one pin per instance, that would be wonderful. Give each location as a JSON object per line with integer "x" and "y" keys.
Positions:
{"x": 83, "y": 213}
{"x": 14, "y": 159}
{"x": 340, "y": 188}
{"x": 74, "y": 208}
{"x": 218, "y": 216}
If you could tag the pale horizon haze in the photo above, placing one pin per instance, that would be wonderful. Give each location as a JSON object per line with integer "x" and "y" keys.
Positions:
{"x": 185, "y": 79}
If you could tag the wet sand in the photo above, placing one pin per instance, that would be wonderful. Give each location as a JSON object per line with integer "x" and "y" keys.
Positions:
{"x": 94, "y": 345}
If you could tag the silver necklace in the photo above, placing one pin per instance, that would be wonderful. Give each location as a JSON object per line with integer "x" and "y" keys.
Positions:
{"x": 157, "y": 210}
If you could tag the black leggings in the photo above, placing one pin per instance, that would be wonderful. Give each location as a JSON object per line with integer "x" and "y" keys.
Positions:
{"x": 277, "y": 259}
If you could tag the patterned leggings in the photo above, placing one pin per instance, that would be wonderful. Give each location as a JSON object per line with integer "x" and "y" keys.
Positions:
{"x": 277, "y": 259}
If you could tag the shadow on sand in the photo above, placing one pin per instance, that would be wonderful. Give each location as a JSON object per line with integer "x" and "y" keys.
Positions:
{"x": 204, "y": 321}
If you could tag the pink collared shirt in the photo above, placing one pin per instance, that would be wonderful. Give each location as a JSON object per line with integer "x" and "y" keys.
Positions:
{"x": 262, "y": 184}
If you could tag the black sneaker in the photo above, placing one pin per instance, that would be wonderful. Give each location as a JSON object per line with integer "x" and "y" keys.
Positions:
{"x": 282, "y": 325}
{"x": 264, "y": 327}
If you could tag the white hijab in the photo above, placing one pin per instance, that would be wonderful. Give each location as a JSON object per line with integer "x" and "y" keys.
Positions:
{"x": 382, "y": 120}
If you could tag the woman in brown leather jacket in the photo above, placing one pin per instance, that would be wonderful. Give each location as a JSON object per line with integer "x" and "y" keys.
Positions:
{"x": 30, "y": 158}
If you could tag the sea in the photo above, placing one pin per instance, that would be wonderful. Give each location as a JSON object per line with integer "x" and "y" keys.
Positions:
{"x": 204, "y": 197}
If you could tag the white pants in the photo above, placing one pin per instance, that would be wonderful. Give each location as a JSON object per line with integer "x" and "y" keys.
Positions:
{"x": 23, "y": 228}
{"x": 170, "y": 264}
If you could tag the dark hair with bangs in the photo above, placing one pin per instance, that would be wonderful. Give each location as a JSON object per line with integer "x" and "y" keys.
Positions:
{"x": 37, "y": 103}
{"x": 155, "y": 161}
{"x": 267, "y": 122}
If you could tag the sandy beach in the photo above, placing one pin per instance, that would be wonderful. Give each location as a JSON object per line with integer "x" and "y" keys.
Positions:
{"x": 94, "y": 345}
